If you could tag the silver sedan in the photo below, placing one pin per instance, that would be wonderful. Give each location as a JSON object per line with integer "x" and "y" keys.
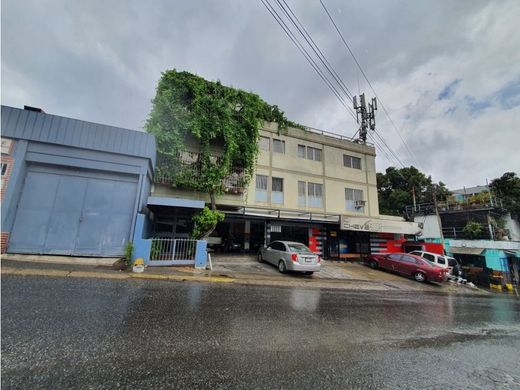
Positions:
{"x": 290, "y": 256}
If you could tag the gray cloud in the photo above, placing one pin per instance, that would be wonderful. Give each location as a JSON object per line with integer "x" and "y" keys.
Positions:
{"x": 100, "y": 61}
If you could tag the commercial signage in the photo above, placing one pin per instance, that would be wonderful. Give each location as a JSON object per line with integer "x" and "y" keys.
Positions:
{"x": 378, "y": 225}
{"x": 361, "y": 224}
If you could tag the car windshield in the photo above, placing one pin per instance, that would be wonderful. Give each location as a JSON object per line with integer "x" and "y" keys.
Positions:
{"x": 299, "y": 248}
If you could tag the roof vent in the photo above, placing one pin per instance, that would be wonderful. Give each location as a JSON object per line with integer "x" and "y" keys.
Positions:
{"x": 35, "y": 109}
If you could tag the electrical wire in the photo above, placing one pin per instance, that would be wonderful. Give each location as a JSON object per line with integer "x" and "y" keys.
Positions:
{"x": 368, "y": 81}
{"x": 307, "y": 56}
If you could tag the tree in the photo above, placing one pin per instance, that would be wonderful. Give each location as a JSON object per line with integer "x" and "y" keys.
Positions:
{"x": 507, "y": 188}
{"x": 472, "y": 230}
{"x": 397, "y": 186}
{"x": 220, "y": 124}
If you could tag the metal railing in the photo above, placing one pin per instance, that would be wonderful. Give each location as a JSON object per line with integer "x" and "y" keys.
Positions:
{"x": 169, "y": 251}
{"x": 446, "y": 206}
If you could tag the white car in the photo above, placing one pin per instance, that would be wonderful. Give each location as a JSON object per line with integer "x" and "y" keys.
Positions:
{"x": 290, "y": 256}
{"x": 435, "y": 258}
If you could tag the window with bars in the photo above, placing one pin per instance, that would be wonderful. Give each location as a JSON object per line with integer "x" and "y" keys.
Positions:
{"x": 351, "y": 161}
{"x": 278, "y": 146}
{"x": 302, "y": 194}
{"x": 263, "y": 143}
{"x": 261, "y": 188}
{"x": 354, "y": 200}
{"x": 309, "y": 153}
{"x": 315, "y": 192}
{"x": 277, "y": 190}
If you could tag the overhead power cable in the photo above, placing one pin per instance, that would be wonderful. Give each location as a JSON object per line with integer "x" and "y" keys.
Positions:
{"x": 307, "y": 56}
{"x": 368, "y": 81}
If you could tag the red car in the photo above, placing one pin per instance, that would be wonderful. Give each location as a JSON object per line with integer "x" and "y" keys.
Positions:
{"x": 409, "y": 265}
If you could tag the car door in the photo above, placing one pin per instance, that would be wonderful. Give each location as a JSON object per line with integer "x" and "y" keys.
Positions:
{"x": 407, "y": 265}
{"x": 268, "y": 253}
{"x": 391, "y": 262}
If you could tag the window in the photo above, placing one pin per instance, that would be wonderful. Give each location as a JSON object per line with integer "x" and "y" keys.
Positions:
{"x": 429, "y": 257}
{"x": 277, "y": 190}
{"x": 351, "y": 161}
{"x": 354, "y": 200}
{"x": 394, "y": 257}
{"x": 4, "y": 168}
{"x": 408, "y": 259}
{"x": 277, "y": 246}
{"x": 301, "y": 151}
{"x": 261, "y": 188}
{"x": 264, "y": 143}
{"x": 302, "y": 197}
{"x": 315, "y": 192}
{"x": 441, "y": 260}
{"x": 309, "y": 153}
{"x": 313, "y": 154}
{"x": 278, "y": 146}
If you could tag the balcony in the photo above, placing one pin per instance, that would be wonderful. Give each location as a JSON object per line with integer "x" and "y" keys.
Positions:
{"x": 182, "y": 170}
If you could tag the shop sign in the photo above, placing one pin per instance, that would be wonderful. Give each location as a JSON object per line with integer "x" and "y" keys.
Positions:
{"x": 360, "y": 224}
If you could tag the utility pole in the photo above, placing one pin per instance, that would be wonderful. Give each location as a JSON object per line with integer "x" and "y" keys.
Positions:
{"x": 438, "y": 218}
{"x": 367, "y": 116}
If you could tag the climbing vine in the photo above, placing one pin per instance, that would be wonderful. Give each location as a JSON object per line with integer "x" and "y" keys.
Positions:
{"x": 206, "y": 131}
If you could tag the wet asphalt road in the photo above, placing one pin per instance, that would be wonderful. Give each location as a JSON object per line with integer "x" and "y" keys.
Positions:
{"x": 90, "y": 333}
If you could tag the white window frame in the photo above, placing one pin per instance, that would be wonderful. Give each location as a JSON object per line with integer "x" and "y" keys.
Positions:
{"x": 278, "y": 142}
{"x": 315, "y": 195}
{"x": 302, "y": 194}
{"x": 354, "y": 197}
{"x": 264, "y": 143}
{"x": 260, "y": 192}
{"x": 348, "y": 161}
{"x": 276, "y": 196}
{"x": 310, "y": 153}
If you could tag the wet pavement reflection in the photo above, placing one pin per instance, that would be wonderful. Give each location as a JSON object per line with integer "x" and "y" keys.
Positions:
{"x": 73, "y": 333}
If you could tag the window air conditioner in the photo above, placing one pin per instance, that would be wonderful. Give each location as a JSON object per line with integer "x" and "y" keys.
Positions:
{"x": 359, "y": 203}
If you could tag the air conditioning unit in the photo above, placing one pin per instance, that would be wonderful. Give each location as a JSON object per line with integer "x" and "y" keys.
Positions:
{"x": 359, "y": 204}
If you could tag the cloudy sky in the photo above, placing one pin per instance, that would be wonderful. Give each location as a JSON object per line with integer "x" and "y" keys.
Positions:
{"x": 447, "y": 71}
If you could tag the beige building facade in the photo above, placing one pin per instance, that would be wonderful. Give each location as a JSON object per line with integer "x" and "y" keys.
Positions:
{"x": 305, "y": 185}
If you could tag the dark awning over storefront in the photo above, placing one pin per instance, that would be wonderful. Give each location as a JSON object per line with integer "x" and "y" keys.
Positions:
{"x": 465, "y": 251}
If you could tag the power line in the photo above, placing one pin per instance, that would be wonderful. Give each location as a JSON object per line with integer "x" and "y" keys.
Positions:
{"x": 307, "y": 56}
{"x": 368, "y": 81}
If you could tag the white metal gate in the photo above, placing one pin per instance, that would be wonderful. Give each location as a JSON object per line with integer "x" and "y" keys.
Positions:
{"x": 169, "y": 251}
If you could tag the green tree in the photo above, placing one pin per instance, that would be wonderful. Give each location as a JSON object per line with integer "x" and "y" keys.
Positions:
{"x": 397, "y": 186}
{"x": 507, "y": 188}
{"x": 221, "y": 124}
{"x": 472, "y": 230}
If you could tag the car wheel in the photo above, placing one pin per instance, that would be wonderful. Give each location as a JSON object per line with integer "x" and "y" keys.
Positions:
{"x": 419, "y": 276}
{"x": 308, "y": 272}
{"x": 373, "y": 264}
{"x": 260, "y": 260}
{"x": 281, "y": 267}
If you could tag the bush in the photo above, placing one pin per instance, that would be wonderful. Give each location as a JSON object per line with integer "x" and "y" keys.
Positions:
{"x": 472, "y": 229}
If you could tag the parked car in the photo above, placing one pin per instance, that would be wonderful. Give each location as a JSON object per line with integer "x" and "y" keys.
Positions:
{"x": 435, "y": 258}
{"x": 454, "y": 266}
{"x": 290, "y": 256}
{"x": 410, "y": 265}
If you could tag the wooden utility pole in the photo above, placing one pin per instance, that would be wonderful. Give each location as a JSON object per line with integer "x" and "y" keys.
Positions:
{"x": 438, "y": 216}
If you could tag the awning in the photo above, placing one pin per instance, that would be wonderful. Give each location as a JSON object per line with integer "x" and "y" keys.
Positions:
{"x": 511, "y": 252}
{"x": 462, "y": 250}
{"x": 175, "y": 202}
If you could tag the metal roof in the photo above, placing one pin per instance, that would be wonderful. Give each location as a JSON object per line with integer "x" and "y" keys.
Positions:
{"x": 470, "y": 190}
{"x": 54, "y": 129}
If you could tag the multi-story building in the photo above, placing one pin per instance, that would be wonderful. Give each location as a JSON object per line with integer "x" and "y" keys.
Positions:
{"x": 308, "y": 186}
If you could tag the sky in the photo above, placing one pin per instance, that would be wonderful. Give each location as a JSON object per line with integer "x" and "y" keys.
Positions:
{"x": 447, "y": 72}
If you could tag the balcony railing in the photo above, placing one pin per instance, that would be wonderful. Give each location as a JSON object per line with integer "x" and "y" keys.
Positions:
{"x": 185, "y": 168}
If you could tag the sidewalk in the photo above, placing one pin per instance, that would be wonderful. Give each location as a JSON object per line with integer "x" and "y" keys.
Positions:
{"x": 234, "y": 270}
